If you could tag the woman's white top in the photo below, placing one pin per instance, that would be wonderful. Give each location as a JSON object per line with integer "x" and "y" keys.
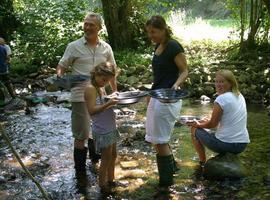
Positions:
{"x": 233, "y": 123}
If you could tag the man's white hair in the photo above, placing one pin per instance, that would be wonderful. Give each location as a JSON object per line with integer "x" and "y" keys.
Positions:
{"x": 95, "y": 15}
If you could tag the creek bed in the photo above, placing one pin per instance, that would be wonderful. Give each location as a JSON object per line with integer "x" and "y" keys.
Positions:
{"x": 43, "y": 140}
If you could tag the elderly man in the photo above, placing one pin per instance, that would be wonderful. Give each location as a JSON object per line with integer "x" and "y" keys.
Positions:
{"x": 82, "y": 56}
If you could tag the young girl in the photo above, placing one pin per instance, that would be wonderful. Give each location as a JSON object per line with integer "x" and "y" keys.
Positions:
{"x": 104, "y": 129}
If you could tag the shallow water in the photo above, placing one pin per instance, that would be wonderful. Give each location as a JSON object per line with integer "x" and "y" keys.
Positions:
{"x": 44, "y": 142}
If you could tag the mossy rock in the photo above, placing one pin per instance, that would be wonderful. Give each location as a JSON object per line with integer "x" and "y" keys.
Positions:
{"x": 195, "y": 77}
{"x": 226, "y": 166}
{"x": 209, "y": 90}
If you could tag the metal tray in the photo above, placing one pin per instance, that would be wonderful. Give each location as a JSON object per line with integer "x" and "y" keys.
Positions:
{"x": 168, "y": 95}
{"x": 129, "y": 97}
{"x": 183, "y": 119}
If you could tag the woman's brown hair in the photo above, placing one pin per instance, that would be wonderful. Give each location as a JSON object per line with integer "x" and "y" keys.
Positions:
{"x": 159, "y": 22}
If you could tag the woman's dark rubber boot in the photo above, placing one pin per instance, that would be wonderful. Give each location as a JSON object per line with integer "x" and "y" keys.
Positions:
{"x": 165, "y": 170}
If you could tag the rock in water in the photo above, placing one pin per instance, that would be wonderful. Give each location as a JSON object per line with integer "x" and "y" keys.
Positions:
{"x": 226, "y": 166}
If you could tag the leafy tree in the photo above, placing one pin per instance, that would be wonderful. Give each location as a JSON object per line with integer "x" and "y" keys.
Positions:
{"x": 254, "y": 22}
{"x": 8, "y": 22}
{"x": 267, "y": 4}
{"x": 46, "y": 28}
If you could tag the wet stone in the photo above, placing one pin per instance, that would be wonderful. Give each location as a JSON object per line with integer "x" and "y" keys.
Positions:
{"x": 222, "y": 167}
{"x": 133, "y": 173}
{"x": 129, "y": 164}
{"x": 2, "y": 180}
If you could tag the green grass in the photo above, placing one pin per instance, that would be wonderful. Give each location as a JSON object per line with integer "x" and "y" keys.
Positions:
{"x": 221, "y": 23}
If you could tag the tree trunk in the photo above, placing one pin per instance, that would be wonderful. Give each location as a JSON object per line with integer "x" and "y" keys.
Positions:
{"x": 117, "y": 15}
{"x": 7, "y": 19}
{"x": 242, "y": 22}
{"x": 256, "y": 15}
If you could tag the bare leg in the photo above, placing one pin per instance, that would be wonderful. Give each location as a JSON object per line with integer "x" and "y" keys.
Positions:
{"x": 112, "y": 164}
{"x": 163, "y": 149}
{"x": 198, "y": 146}
{"x": 79, "y": 144}
{"x": 106, "y": 154}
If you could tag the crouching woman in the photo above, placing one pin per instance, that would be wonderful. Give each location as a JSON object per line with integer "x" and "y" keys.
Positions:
{"x": 229, "y": 115}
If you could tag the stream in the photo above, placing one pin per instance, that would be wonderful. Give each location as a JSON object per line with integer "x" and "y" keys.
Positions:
{"x": 42, "y": 137}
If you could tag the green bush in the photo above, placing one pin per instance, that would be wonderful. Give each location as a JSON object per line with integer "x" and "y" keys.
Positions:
{"x": 46, "y": 28}
{"x": 135, "y": 66}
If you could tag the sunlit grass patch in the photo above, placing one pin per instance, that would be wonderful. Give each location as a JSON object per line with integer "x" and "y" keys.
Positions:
{"x": 189, "y": 30}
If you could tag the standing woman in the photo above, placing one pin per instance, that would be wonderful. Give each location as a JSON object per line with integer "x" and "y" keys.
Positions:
{"x": 169, "y": 71}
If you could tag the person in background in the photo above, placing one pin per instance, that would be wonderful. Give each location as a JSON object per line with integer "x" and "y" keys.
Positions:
{"x": 5, "y": 67}
{"x": 229, "y": 115}
{"x": 82, "y": 56}
{"x": 104, "y": 129}
{"x": 169, "y": 67}
{"x": 8, "y": 49}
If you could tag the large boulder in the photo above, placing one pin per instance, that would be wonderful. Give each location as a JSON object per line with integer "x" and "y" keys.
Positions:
{"x": 226, "y": 166}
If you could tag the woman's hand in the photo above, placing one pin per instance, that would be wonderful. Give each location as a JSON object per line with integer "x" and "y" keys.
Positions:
{"x": 204, "y": 119}
{"x": 193, "y": 123}
{"x": 176, "y": 87}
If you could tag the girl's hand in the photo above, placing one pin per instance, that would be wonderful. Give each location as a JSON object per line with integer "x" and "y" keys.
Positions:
{"x": 113, "y": 95}
{"x": 112, "y": 102}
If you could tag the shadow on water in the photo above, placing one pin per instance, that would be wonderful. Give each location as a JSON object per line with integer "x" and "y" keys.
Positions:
{"x": 44, "y": 141}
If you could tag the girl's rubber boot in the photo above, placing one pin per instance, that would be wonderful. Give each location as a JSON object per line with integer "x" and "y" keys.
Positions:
{"x": 94, "y": 157}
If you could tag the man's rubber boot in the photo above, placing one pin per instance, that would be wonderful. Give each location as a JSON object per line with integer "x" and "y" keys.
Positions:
{"x": 94, "y": 157}
{"x": 80, "y": 161}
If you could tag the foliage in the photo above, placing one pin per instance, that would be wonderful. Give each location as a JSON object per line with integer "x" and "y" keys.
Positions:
{"x": 8, "y": 20}
{"x": 46, "y": 28}
{"x": 135, "y": 68}
{"x": 253, "y": 23}
{"x": 162, "y": 7}
{"x": 211, "y": 9}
